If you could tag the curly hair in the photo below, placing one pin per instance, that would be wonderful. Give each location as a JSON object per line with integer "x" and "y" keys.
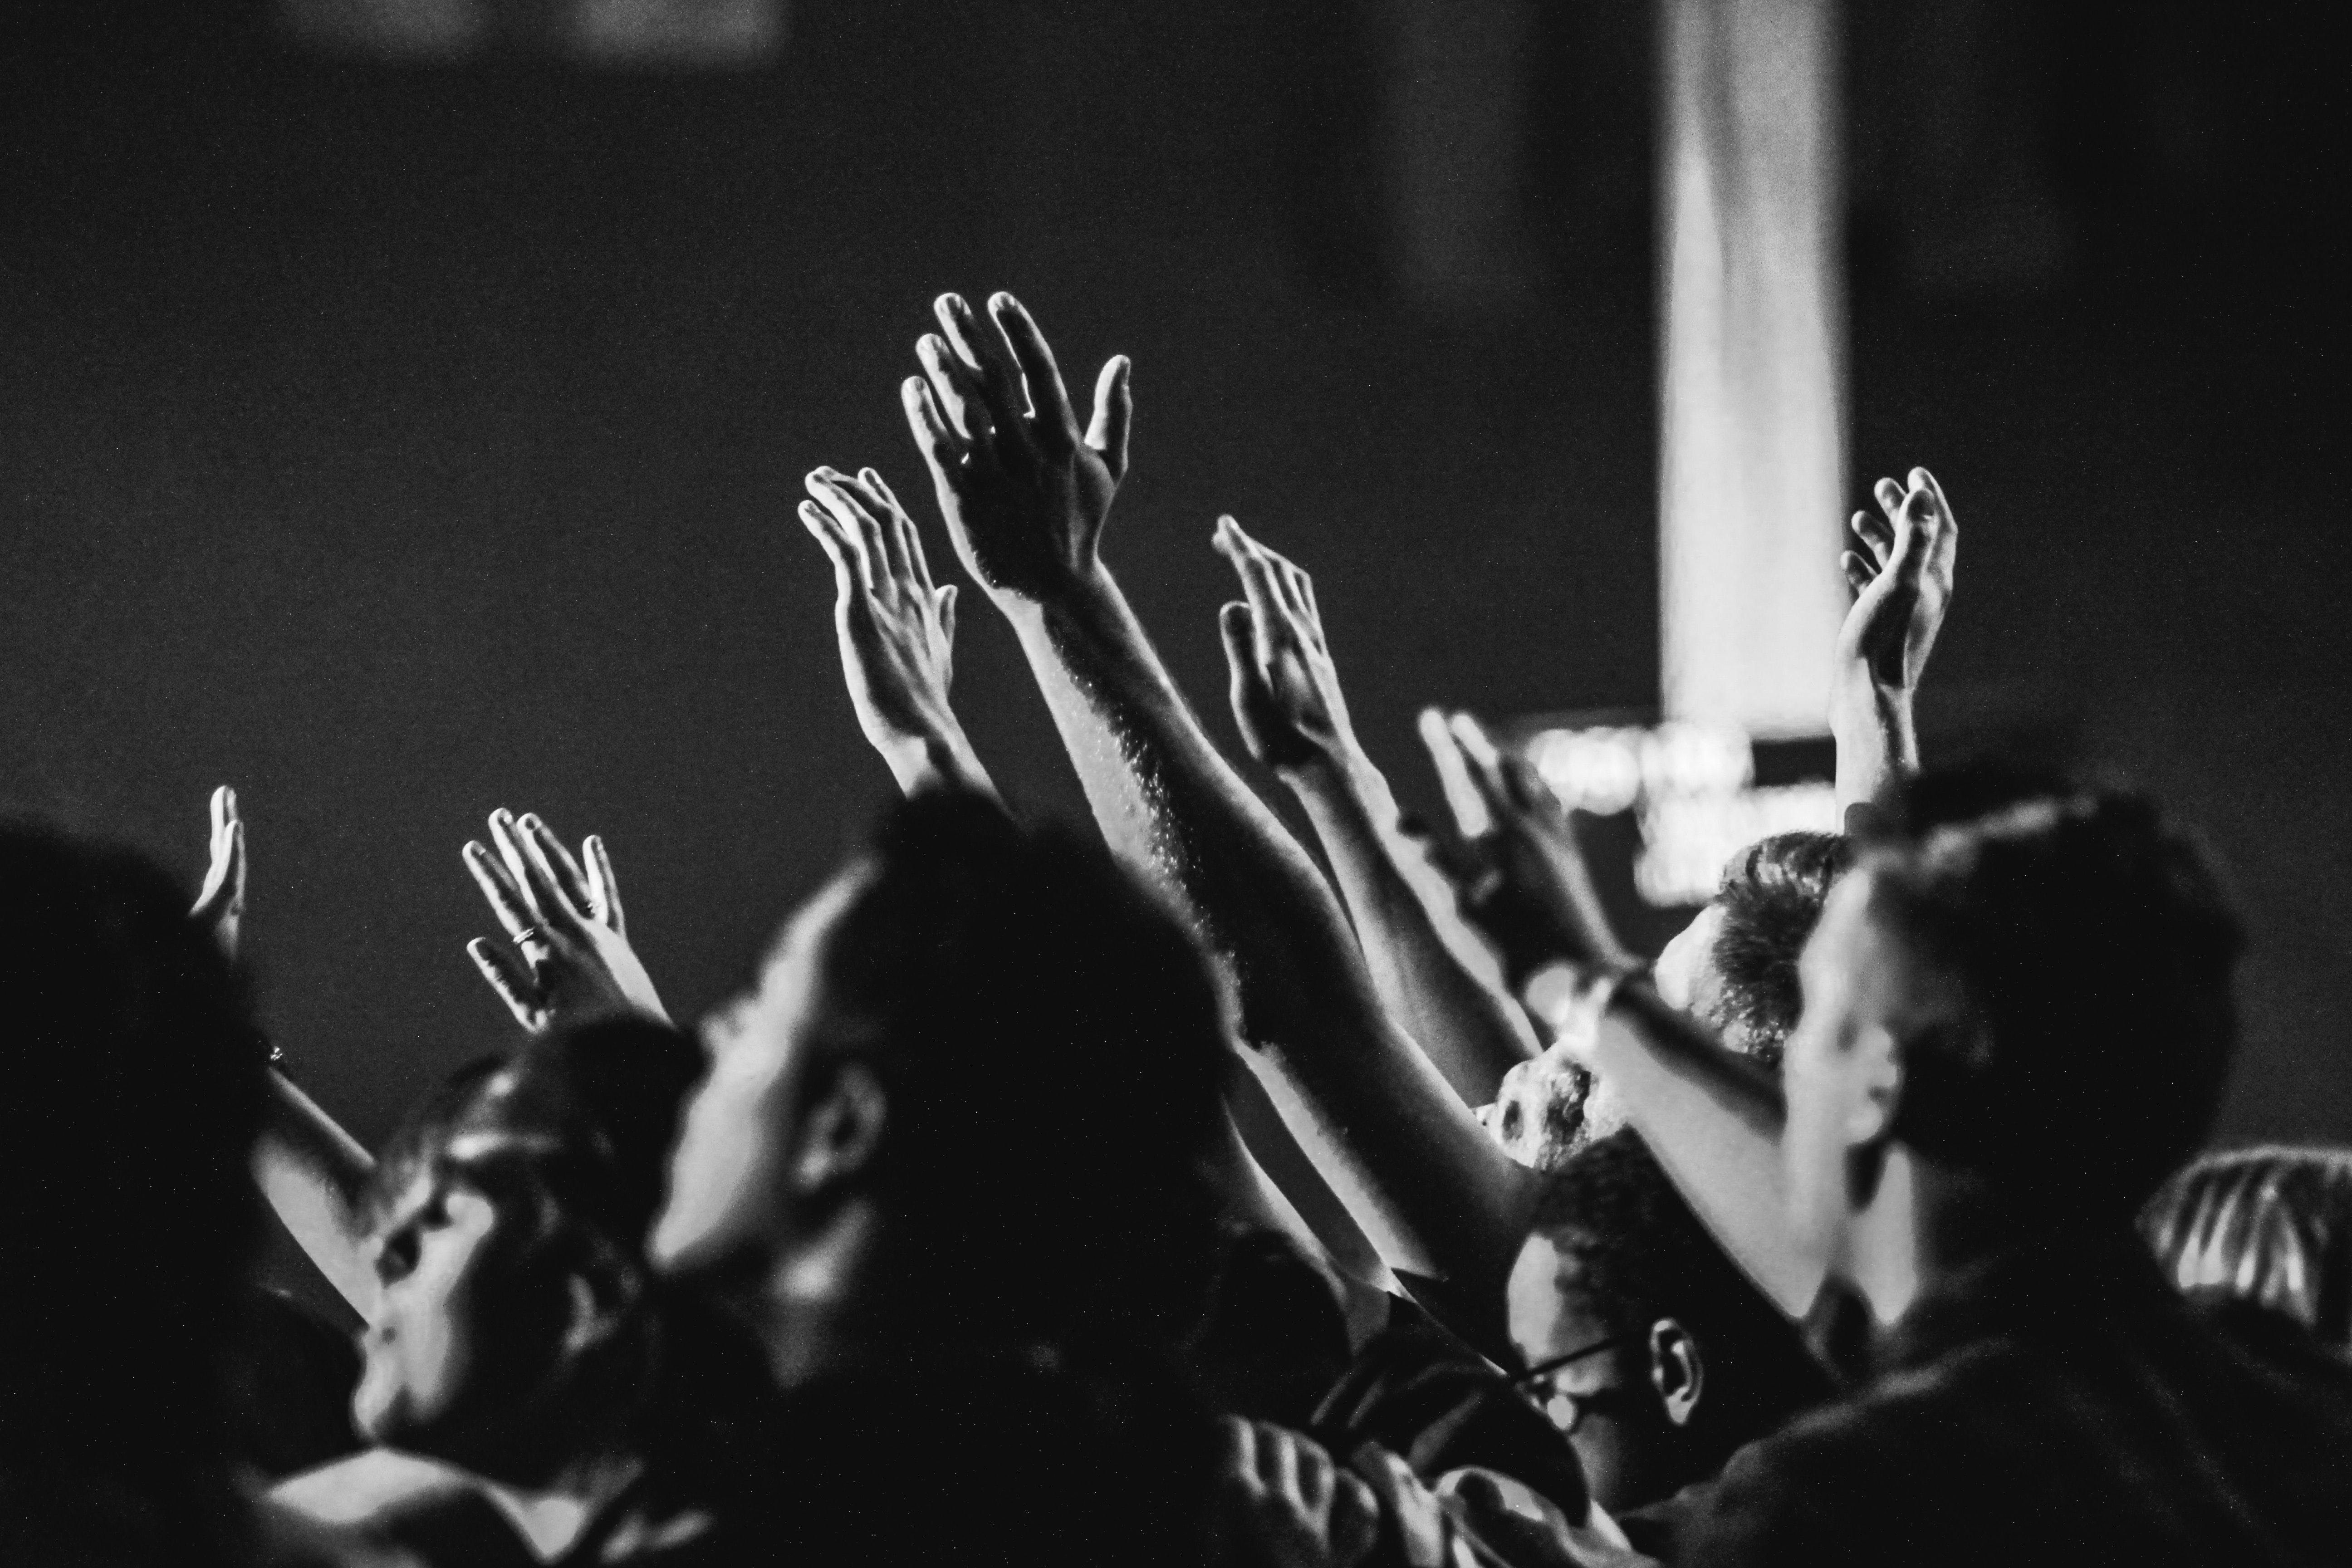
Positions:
{"x": 1771, "y": 897}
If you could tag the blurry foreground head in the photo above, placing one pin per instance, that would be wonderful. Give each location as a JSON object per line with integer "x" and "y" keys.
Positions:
{"x": 1651, "y": 1352}
{"x": 517, "y": 1321}
{"x": 2270, "y": 1227}
{"x": 2036, "y": 1001}
{"x": 126, "y": 1212}
{"x": 987, "y": 1044}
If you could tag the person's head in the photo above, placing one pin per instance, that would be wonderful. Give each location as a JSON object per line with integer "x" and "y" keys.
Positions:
{"x": 987, "y": 1041}
{"x": 2035, "y": 1005}
{"x": 1685, "y": 1361}
{"x": 515, "y": 1315}
{"x": 134, "y": 1091}
{"x": 1733, "y": 968}
{"x": 2272, "y": 1226}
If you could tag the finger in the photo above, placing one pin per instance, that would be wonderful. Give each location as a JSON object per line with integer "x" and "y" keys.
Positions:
{"x": 1277, "y": 1461}
{"x": 947, "y": 603}
{"x": 859, "y": 532}
{"x": 1355, "y": 1520}
{"x": 603, "y": 887}
{"x": 1889, "y": 496}
{"x": 223, "y": 806}
{"x": 1471, "y": 818}
{"x": 1484, "y": 764}
{"x": 506, "y": 838}
{"x": 1114, "y": 414}
{"x": 1298, "y": 595}
{"x": 982, "y": 353}
{"x": 1235, "y": 630}
{"x": 1237, "y": 1454}
{"x": 1922, "y": 479}
{"x": 1057, "y": 426}
{"x": 499, "y": 889}
{"x": 507, "y": 978}
{"x": 896, "y": 517}
{"x": 1258, "y": 586}
{"x": 942, "y": 449}
{"x": 827, "y": 534}
{"x": 959, "y": 391}
{"x": 1876, "y": 538}
{"x": 1857, "y": 571}
{"x": 556, "y": 883}
{"x": 1313, "y": 1474}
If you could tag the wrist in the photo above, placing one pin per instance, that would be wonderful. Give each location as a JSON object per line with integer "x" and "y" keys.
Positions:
{"x": 1571, "y": 998}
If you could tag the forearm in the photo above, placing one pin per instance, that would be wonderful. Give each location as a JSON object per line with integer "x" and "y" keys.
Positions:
{"x": 1877, "y": 741}
{"x": 1712, "y": 1117}
{"x": 943, "y": 759}
{"x": 1471, "y": 1031}
{"x": 1402, "y": 1153}
{"x": 315, "y": 1177}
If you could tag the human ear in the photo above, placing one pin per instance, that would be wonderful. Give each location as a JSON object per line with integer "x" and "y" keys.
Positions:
{"x": 601, "y": 1290}
{"x": 843, "y": 1130}
{"x": 1677, "y": 1370}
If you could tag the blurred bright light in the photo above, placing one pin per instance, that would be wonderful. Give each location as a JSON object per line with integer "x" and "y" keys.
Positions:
{"x": 691, "y": 33}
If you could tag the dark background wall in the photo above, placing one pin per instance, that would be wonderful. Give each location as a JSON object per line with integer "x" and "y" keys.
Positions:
{"x": 397, "y": 443}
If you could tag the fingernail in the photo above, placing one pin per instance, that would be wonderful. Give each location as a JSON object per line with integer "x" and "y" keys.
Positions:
{"x": 530, "y": 821}
{"x": 475, "y": 851}
{"x": 1000, "y": 300}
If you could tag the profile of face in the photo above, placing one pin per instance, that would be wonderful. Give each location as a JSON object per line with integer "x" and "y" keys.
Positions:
{"x": 469, "y": 1321}
{"x": 1842, "y": 1072}
{"x": 732, "y": 1175}
{"x": 1622, "y": 1407}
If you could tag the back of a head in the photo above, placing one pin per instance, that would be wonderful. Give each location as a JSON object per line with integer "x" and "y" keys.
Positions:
{"x": 2092, "y": 955}
{"x": 1052, "y": 1044}
{"x": 1643, "y": 1255}
{"x": 1771, "y": 897}
{"x": 2272, "y": 1226}
{"x": 129, "y": 1214}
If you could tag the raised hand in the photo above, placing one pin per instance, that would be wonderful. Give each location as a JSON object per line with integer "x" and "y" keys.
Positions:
{"x": 564, "y": 919}
{"x": 1024, "y": 492}
{"x": 1286, "y": 691}
{"x": 220, "y": 904}
{"x": 1284, "y": 1504}
{"x": 1902, "y": 579}
{"x": 1518, "y": 870}
{"x": 897, "y": 629}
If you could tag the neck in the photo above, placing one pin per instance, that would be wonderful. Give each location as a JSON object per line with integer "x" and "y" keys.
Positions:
{"x": 817, "y": 1311}
{"x": 1884, "y": 1255}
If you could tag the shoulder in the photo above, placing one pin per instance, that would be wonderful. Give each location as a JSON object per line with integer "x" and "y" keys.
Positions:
{"x": 399, "y": 1502}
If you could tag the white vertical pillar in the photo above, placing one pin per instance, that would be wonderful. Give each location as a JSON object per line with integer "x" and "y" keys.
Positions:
{"x": 1751, "y": 477}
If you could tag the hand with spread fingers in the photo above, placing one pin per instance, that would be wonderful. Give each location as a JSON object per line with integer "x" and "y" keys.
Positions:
{"x": 897, "y": 629}
{"x": 220, "y": 904}
{"x": 564, "y": 919}
{"x": 1284, "y": 1504}
{"x": 1023, "y": 490}
{"x": 1901, "y": 575}
{"x": 1517, "y": 868}
{"x": 1285, "y": 691}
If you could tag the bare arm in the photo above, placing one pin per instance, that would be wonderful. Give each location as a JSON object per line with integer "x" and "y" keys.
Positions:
{"x": 1902, "y": 578}
{"x": 1026, "y": 498}
{"x": 1287, "y": 704}
{"x": 314, "y": 1173}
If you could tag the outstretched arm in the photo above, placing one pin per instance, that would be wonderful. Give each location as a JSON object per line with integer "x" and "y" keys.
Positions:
{"x": 313, "y": 1174}
{"x": 1710, "y": 1115}
{"x": 1026, "y": 495}
{"x": 1902, "y": 578}
{"x": 1288, "y": 707}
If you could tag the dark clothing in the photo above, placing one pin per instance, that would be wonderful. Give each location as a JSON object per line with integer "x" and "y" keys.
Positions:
{"x": 1272, "y": 1340}
{"x": 2056, "y": 1405}
{"x": 1013, "y": 1459}
{"x": 1424, "y": 1395}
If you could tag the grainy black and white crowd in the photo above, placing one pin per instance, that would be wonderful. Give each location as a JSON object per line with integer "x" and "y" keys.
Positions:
{"x": 1152, "y": 1195}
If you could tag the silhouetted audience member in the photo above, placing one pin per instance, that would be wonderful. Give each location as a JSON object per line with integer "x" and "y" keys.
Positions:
{"x": 290, "y": 1378}
{"x": 948, "y": 1160}
{"x": 2013, "y": 1030}
{"x": 2269, "y": 1228}
{"x": 538, "y": 1394}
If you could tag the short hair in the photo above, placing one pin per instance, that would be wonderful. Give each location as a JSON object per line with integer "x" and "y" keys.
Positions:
{"x": 127, "y": 1211}
{"x": 1054, "y": 1050}
{"x": 2094, "y": 954}
{"x": 1643, "y": 1255}
{"x": 1771, "y": 897}
{"x": 2270, "y": 1225}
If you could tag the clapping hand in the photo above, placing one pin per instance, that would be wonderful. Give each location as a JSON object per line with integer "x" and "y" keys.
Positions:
{"x": 564, "y": 919}
{"x": 220, "y": 904}
{"x": 1286, "y": 691}
{"x": 1284, "y": 1504}
{"x": 1902, "y": 578}
{"x": 1024, "y": 491}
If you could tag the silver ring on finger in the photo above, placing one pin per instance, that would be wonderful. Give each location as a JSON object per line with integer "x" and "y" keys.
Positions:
{"x": 533, "y": 936}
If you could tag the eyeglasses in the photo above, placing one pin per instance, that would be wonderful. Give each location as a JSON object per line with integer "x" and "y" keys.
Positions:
{"x": 1567, "y": 1410}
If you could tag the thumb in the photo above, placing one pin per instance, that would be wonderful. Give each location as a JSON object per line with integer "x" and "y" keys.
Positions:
{"x": 1114, "y": 414}
{"x": 947, "y": 613}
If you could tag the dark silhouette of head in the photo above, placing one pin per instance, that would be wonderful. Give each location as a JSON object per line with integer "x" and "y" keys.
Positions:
{"x": 129, "y": 1213}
